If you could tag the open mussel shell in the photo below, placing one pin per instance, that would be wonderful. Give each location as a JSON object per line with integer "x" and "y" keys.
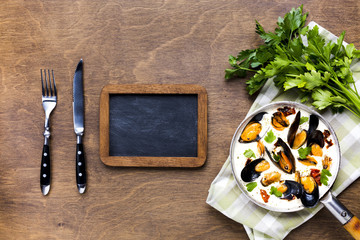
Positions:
{"x": 294, "y": 189}
{"x": 313, "y": 123}
{"x": 295, "y": 139}
{"x": 316, "y": 137}
{"x": 287, "y": 161}
{"x": 310, "y": 200}
{"x": 258, "y": 117}
{"x": 279, "y": 121}
{"x": 293, "y": 129}
{"x": 250, "y": 172}
{"x": 252, "y": 129}
{"x": 311, "y": 197}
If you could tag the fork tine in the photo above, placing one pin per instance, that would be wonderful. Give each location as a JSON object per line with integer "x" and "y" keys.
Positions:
{"x": 42, "y": 83}
{"x": 46, "y": 84}
{"x": 51, "y": 91}
{"x": 55, "y": 92}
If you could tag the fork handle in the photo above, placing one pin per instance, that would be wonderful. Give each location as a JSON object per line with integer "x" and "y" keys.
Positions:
{"x": 45, "y": 167}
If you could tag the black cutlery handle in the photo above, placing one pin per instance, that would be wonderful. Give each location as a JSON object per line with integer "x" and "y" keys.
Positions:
{"x": 45, "y": 166}
{"x": 80, "y": 164}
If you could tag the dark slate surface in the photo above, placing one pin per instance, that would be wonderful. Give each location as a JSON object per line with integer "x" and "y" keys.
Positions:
{"x": 156, "y": 125}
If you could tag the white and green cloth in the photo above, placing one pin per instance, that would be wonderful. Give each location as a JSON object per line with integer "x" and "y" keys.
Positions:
{"x": 226, "y": 197}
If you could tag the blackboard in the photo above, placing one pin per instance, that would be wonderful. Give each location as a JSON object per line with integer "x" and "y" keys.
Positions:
{"x": 153, "y": 125}
{"x": 159, "y": 125}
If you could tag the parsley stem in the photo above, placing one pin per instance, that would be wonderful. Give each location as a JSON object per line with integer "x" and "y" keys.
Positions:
{"x": 246, "y": 69}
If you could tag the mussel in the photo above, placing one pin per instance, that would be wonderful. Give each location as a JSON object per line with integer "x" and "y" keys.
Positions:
{"x": 313, "y": 123}
{"x": 310, "y": 196}
{"x": 252, "y": 130}
{"x": 293, "y": 129}
{"x": 316, "y": 137}
{"x": 253, "y": 170}
{"x": 260, "y": 148}
{"x": 270, "y": 178}
{"x": 299, "y": 140}
{"x": 326, "y": 162}
{"x": 286, "y": 160}
{"x": 308, "y": 161}
{"x": 291, "y": 189}
{"x": 296, "y": 140}
{"x": 279, "y": 121}
{"x": 316, "y": 150}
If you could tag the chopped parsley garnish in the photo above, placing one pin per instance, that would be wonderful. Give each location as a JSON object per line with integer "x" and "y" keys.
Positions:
{"x": 303, "y": 152}
{"x": 324, "y": 176}
{"x": 275, "y": 191}
{"x": 276, "y": 157}
{"x": 303, "y": 120}
{"x": 249, "y": 153}
{"x": 270, "y": 137}
{"x": 251, "y": 186}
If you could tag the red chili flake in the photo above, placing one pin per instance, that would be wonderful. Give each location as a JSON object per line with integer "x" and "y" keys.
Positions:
{"x": 315, "y": 173}
{"x": 326, "y": 133}
{"x": 329, "y": 143}
{"x": 264, "y": 195}
{"x": 287, "y": 110}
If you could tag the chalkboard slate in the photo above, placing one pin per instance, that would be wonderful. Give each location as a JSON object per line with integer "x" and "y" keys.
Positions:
{"x": 153, "y": 125}
{"x": 161, "y": 125}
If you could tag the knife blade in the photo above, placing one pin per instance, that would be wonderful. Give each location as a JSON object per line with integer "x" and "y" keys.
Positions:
{"x": 79, "y": 127}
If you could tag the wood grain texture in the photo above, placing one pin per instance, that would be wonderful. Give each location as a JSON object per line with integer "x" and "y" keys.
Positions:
{"x": 131, "y": 42}
{"x": 353, "y": 227}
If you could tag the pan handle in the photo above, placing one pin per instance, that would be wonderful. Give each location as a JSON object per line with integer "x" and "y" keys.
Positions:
{"x": 350, "y": 222}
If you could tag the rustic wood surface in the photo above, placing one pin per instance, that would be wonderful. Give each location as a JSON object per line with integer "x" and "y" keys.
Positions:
{"x": 127, "y": 42}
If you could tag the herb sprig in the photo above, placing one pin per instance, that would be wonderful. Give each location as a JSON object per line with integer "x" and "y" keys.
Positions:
{"x": 324, "y": 176}
{"x": 275, "y": 191}
{"x": 317, "y": 68}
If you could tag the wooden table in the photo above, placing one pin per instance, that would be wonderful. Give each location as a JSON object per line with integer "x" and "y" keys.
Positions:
{"x": 181, "y": 42}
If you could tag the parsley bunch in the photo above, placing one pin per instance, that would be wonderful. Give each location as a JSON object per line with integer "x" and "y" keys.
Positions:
{"x": 297, "y": 57}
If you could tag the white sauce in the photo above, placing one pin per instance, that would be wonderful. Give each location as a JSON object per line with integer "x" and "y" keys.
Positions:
{"x": 275, "y": 202}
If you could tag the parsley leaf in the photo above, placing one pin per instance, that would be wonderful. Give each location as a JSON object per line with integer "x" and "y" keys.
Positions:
{"x": 303, "y": 152}
{"x": 251, "y": 186}
{"x": 275, "y": 191}
{"x": 303, "y": 120}
{"x": 270, "y": 137}
{"x": 324, "y": 176}
{"x": 276, "y": 157}
{"x": 297, "y": 57}
{"x": 249, "y": 153}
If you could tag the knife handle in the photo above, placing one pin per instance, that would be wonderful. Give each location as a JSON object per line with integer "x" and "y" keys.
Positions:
{"x": 45, "y": 166}
{"x": 80, "y": 165}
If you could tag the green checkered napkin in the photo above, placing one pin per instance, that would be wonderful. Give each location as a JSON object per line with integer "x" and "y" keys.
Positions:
{"x": 226, "y": 197}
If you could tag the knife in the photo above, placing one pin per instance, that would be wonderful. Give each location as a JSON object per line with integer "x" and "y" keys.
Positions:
{"x": 78, "y": 116}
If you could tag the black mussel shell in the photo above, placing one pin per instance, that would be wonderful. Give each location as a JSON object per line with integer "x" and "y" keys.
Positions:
{"x": 288, "y": 154}
{"x": 293, "y": 189}
{"x": 248, "y": 174}
{"x": 313, "y": 123}
{"x": 310, "y": 200}
{"x": 316, "y": 137}
{"x": 293, "y": 129}
{"x": 258, "y": 117}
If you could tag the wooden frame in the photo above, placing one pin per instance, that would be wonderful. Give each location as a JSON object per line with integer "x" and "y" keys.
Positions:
{"x": 140, "y": 161}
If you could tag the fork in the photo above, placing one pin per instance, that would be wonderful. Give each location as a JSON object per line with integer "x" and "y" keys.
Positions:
{"x": 49, "y": 99}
